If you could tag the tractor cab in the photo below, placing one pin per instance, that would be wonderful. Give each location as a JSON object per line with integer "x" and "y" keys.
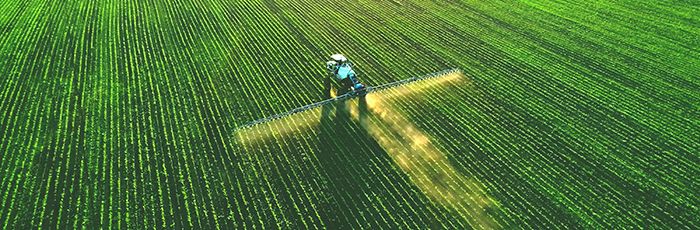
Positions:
{"x": 340, "y": 69}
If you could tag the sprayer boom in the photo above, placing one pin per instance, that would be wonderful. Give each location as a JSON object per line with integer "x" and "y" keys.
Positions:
{"x": 351, "y": 94}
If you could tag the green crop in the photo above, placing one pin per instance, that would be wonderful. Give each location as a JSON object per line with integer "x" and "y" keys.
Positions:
{"x": 566, "y": 114}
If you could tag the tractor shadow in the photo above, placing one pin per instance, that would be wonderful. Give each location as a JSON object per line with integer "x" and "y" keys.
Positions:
{"x": 342, "y": 156}
{"x": 343, "y": 180}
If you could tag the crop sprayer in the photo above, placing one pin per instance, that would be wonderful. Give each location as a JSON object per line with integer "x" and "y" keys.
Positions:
{"x": 340, "y": 69}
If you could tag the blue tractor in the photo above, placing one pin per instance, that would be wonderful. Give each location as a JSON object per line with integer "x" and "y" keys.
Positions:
{"x": 340, "y": 69}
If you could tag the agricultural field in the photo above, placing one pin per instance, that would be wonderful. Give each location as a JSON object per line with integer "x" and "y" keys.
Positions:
{"x": 561, "y": 115}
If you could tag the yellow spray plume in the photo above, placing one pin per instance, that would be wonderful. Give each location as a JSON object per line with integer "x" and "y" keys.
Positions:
{"x": 414, "y": 153}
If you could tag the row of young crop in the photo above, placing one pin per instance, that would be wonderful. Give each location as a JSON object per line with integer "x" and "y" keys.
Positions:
{"x": 108, "y": 191}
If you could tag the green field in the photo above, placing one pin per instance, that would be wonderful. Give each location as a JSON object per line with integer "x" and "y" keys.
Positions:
{"x": 565, "y": 115}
